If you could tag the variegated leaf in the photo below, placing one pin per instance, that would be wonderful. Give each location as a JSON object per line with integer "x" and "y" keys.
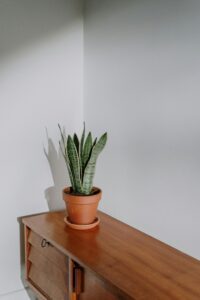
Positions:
{"x": 90, "y": 168}
{"x": 74, "y": 164}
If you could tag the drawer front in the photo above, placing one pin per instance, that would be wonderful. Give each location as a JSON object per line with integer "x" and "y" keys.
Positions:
{"x": 95, "y": 289}
{"x": 41, "y": 280}
{"x": 48, "y": 250}
{"x": 52, "y": 271}
{"x": 47, "y": 268}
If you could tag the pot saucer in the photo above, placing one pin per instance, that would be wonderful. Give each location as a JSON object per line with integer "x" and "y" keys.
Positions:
{"x": 82, "y": 227}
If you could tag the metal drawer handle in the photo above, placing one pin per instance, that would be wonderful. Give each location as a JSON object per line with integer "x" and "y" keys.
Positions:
{"x": 44, "y": 243}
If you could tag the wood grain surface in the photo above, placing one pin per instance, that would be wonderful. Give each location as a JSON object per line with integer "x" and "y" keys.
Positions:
{"x": 52, "y": 271}
{"x": 130, "y": 263}
{"x": 50, "y": 252}
{"x": 47, "y": 286}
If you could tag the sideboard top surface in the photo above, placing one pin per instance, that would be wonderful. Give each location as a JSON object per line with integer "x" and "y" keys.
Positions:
{"x": 137, "y": 265}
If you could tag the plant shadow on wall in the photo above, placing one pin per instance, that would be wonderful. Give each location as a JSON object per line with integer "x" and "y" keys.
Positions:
{"x": 53, "y": 194}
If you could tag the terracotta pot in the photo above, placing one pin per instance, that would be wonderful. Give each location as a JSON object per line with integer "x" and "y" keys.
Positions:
{"x": 81, "y": 209}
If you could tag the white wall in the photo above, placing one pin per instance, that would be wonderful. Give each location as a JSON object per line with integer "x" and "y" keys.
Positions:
{"x": 142, "y": 71}
{"x": 40, "y": 85}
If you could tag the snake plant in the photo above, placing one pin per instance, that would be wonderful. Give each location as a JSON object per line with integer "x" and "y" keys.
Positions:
{"x": 80, "y": 156}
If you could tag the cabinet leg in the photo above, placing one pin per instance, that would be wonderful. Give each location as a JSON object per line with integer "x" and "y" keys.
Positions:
{"x": 75, "y": 280}
{"x": 27, "y": 250}
{"x": 72, "y": 295}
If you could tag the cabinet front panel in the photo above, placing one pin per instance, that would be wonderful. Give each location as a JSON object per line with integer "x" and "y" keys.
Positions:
{"x": 95, "y": 289}
{"x": 48, "y": 250}
{"x": 41, "y": 280}
{"x": 52, "y": 271}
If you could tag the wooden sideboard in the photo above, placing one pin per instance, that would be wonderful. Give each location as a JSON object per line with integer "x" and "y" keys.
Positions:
{"x": 111, "y": 261}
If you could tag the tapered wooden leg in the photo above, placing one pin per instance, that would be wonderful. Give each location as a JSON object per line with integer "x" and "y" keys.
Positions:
{"x": 72, "y": 294}
{"x": 27, "y": 250}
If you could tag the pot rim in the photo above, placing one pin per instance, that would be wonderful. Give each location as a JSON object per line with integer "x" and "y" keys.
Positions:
{"x": 81, "y": 199}
{"x": 67, "y": 189}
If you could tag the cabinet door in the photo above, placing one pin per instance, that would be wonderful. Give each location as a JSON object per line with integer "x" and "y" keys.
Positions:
{"x": 94, "y": 288}
{"x": 85, "y": 285}
{"x": 46, "y": 268}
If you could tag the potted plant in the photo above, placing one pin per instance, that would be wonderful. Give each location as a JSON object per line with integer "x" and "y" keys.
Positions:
{"x": 80, "y": 156}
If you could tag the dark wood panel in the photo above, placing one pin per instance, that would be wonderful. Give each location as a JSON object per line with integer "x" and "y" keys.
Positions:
{"x": 52, "y": 272}
{"x": 42, "y": 281}
{"x": 72, "y": 294}
{"x": 129, "y": 262}
{"x": 27, "y": 250}
{"x": 94, "y": 288}
{"x": 55, "y": 256}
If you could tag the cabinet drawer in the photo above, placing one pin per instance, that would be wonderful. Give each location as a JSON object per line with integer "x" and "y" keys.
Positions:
{"x": 42, "y": 281}
{"x": 49, "y": 251}
{"x": 52, "y": 271}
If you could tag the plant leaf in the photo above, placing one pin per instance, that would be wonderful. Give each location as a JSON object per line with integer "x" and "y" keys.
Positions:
{"x": 94, "y": 143}
{"x": 68, "y": 166}
{"x": 86, "y": 150}
{"x": 62, "y": 138}
{"x": 62, "y": 145}
{"x": 76, "y": 142}
{"x": 74, "y": 164}
{"x": 81, "y": 150}
{"x": 82, "y": 140}
{"x": 90, "y": 168}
